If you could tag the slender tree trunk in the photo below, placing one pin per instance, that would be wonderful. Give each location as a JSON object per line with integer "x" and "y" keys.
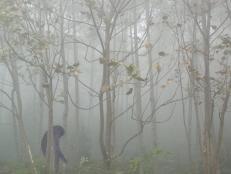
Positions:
{"x": 151, "y": 74}
{"x": 114, "y": 103}
{"x": 41, "y": 104}
{"x": 16, "y": 86}
{"x": 137, "y": 88}
{"x": 193, "y": 87}
{"x": 102, "y": 127}
{"x": 90, "y": 112}
{"x": 64, "y": 63}
{"x": 50, "y": 150}
{"x": 75, "y": 54}
{"x": 107, "y": 84}
{"x": 1, "y": 95}
{"x": 186, "y": 126}
{"x": 41, "y": 79}
{"x": 15, "y": 127}
{"x": 208, "y": 138}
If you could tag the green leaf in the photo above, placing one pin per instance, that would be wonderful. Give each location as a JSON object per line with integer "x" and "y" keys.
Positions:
{"x": 113, "y": 63}
{"x": 130, "y": 69}
{"x": 139, "y": 78}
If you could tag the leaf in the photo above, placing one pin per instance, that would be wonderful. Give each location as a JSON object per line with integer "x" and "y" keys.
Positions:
{"x": 58, "y": 70}
{"x": 129, "y": 91}
{"x": 90, "y": 3}
{"x": 138, "y": 78}
{"x": 76, "y": 64}
{"x": 179, "y": 25}
{"x": 170, "y": 81}
{"x": 147, "y": 45}
{"x": 221, "y": 72}
{"x": 45, "y": 85}
{"x": 102, "y": 60}
{"x": 163, "y": 86}
{"x": 227, "y": 52}
{"x": 74, "y": 72}
{"x": 162, "y": 53}
{"x": 130, "y": 69}
{"x": 113, "y": 63}
{"x": 214, "y": 27}
{"x": 157, "y": 67}
{"x": 165, "y": 17}
{"x": 60, "y": 101}
{"x": 158, "y": 152}
{"x": 105, "y": 88}
{"x": 220, "y": 46}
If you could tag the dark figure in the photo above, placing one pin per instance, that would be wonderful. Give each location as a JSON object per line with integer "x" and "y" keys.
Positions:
{"x": 58, "y": 132}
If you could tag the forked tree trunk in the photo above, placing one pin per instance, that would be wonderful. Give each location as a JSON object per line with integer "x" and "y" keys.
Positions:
{"x": 19, "y": 112}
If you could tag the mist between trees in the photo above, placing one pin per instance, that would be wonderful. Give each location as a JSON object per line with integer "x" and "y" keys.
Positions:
{"x": 140, "y": 87}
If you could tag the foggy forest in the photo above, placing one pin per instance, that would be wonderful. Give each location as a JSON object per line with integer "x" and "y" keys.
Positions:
{"x": 115, "y": 86}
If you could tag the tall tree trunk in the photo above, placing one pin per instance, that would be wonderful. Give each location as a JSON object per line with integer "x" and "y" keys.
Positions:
{"x": 19, "y": 114}
{"x": 186, "y": 121}
{"x": 15, "y": 127}
{"x": 193, "y": 88}
{"x": 114, "y": 99}
{"x": 41, "y": 79}
{"x": 186, "y": 125}
{"x": 208, "y": 137}
{"x": 41, "y": 103}
{"x": 64, "y": 63}
{"x": 137, "y": 88}
{"x": 50, "y": 152}
{"x": 90, "y": 112}
{"x": 151, "y": 74}
{"x": 107, "y": 85}
{"x": 75, "y": 54}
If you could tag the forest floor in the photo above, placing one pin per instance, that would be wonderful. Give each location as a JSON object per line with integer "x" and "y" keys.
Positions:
{"x": 89, "y": 167}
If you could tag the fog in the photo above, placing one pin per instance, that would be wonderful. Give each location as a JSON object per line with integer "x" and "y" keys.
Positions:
{"x": 115, "y": 86}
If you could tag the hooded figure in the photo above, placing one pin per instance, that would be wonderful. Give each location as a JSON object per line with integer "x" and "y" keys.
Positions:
{"x": 58, "y": 132}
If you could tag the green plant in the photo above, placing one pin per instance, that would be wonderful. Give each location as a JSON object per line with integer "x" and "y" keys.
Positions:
{"x": 147, "y": 161}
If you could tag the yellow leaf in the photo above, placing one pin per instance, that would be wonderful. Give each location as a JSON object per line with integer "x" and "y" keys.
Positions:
{"x": 105, "y": 88}
{"x": 147, "y": 44}
{"x": 169, "y": 81}
{"x": 157, "y": 67}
